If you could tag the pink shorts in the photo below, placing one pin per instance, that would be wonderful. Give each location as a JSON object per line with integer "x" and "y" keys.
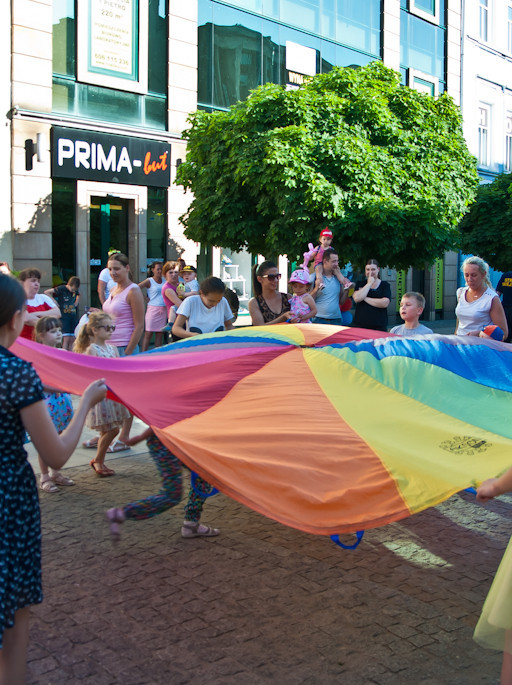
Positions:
{"x": 156, "y": 318}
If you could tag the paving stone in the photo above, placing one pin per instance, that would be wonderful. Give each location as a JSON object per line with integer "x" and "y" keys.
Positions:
{"x": 261, "y": 603}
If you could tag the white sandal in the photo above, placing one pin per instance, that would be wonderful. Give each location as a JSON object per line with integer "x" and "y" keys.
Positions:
{"x": 190, "y": 529}
{"x": 60, "y": 479}
{"x": 48, "y": 486}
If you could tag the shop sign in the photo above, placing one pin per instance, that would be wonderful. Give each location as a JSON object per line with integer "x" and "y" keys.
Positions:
{"x": 91, "y": 156}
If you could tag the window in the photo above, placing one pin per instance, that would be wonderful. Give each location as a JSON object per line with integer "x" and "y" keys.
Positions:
{"x": 483, "y": 19}
{"x": 508, "y": 142}
{"x": 509, "y": 27}
{"x": 423, "y": 82}
{"x": 422, "y": 46}
{"x": 426, "y": 9}
{"x": 72, "y": 97}
{"x": 484, "y": 115}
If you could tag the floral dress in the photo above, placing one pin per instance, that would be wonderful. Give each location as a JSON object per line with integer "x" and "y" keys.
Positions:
{"x": 20, "y": 529}
{"x": 299, "y": 308}
{"x": 107, "y": 414}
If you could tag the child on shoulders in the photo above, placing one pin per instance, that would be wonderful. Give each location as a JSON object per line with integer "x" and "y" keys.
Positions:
{"x": 412, "y": 305}
{"x": 325, "y": 240}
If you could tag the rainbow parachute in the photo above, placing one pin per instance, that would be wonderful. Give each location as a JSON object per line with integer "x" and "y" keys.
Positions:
{"x": 316, "y": 426}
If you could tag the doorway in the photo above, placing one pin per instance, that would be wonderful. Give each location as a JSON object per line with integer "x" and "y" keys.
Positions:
{"x": 108, "y": 230}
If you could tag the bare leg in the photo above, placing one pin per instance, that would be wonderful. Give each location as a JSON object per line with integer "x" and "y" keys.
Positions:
{"x": 125, "y": 429}
{"x": 67, "y": 342}
{"x": 506, "y": 669}
{"x": 145, "y": 342}
{"x": 103, "y": 442}
{"x": 45, "y": 481}
{"x": 13, "y": 656}
{"x": 158, "y": 339}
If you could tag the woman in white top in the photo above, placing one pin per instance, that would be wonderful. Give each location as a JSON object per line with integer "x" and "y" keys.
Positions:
{"x": 478, "y": 305}
{"x": 156, "y": 313}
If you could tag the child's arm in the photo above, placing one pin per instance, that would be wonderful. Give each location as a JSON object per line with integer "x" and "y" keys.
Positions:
{"x": 312, "y": 306}
{"x": 178, "y": 327}
{"x": 139, "y": 438}
{"x": 55, "y": 449}
{"x": 228, "y": 324}
{"x": 495, "y": 486}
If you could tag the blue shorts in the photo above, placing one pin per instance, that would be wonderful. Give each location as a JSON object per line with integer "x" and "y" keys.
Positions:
{"x": 332, "y": 322}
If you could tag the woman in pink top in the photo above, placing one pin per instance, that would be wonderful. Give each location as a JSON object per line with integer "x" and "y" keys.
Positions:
{"x": 125, "y": 305}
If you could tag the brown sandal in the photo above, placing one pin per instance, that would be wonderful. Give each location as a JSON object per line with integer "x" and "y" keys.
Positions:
{"x": 101, "y": 471}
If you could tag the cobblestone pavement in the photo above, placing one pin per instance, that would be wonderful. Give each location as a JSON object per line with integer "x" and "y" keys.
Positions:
{"x": 261, "y": 603}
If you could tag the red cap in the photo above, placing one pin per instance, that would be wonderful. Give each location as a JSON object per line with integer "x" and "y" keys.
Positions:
{"x": 326, "y": 233}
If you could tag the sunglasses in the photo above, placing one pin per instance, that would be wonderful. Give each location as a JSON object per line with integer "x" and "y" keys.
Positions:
{"x": 272, "y": 277}
{"x": 108, "y": 328}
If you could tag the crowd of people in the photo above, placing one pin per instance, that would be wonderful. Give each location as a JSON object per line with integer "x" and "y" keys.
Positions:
{"x": 178, "y": 305}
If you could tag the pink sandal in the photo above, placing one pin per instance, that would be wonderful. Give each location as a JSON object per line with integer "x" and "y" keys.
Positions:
{"x": 115, "y": 518}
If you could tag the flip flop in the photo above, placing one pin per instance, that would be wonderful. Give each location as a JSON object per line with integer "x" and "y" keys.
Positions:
{"x": 118, "y": 446}
{"x": 90, "y": 444}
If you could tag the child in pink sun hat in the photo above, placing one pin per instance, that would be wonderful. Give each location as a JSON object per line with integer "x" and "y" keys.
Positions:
{"x": 302, "y": 305}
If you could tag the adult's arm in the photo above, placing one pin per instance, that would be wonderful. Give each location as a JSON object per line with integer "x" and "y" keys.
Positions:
{"x": 257, "y": 316}
{"x": 498, "y": 316}
{"x": 145, "y": 284}
{"x": 379, "y": 302}
{"x": 361, "y": 293}
{"x": 102, "y": 288}
{"x": 170, "y": 294}
{"x": 55, "y": 449}
{"x": 136, "y": 302}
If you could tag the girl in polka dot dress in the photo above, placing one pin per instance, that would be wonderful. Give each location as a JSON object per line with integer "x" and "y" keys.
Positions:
{"x": 22, "y": 408}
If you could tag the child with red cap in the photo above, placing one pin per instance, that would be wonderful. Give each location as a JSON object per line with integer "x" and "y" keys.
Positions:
{"x": 317, "y": 252}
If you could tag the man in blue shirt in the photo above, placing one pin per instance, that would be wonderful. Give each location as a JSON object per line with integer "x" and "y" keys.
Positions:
{"x": 329, "y": 298}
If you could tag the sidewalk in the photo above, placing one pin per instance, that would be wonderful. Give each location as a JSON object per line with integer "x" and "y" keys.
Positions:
{"x": 261, "y": 603}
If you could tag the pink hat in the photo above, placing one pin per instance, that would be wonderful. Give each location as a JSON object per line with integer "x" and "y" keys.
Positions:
{"x": 326, "y": 233}
{"x": 299, "y": 276}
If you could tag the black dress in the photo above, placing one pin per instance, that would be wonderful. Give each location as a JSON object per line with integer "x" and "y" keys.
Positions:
{"x": 20, "y": 525}
{"x": 367, "y": 316}
{"x": 267, "y": 313}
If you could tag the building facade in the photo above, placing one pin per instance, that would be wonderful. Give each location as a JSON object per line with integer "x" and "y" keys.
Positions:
{"x": 100, "y": 91}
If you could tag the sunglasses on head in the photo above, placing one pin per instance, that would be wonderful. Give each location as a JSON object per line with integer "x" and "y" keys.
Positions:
{"x": 107, "y": 327}
{"x": 272, "y": 277}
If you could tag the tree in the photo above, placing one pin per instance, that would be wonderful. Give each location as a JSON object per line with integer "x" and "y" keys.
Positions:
{"x": 487, "y": 227}
{"x": 385, "y": 167}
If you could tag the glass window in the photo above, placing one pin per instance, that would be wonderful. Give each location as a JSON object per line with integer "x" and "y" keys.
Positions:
{"x": 95, "y": 102}
{"x": 422, "y": 45}
{"x": 237, "y": 55}
{"x": 205, "y": 52}
{"x": 427, "y": 6}
{"x": 304, "y": 14}
{"x": 271, "y": 53}
{"x": 484, "y": 115}
{"x": 509, "y": 27}
{"x": 358, "y": 24}
{"x": 63, "y": 230}
{"x": 64, "y": 37}
{"x": 508, "y": 142}
{"x": 483, "y": 19}
{"x": 156, "y": 227}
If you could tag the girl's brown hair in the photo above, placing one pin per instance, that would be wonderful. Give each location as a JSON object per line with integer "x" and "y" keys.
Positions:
{"x": 45, "y": 324}
{"x": 86, "y": 333}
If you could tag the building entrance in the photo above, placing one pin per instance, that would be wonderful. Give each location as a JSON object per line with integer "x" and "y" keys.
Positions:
{"x": 108, "y": 230}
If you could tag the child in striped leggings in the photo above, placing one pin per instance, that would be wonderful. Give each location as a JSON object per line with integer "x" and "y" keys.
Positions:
{"x": 169, "y": 468}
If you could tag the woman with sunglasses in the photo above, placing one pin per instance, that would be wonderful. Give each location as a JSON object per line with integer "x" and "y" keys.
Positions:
{"x": 268, "y": 306}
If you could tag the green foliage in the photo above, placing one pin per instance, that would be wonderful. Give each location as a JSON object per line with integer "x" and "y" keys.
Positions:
{"x": 487, "y": 228}
{"x": 385, "y": 167}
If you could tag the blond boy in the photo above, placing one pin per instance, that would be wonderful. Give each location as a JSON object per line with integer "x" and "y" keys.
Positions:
{"x": 411, "y": 308}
